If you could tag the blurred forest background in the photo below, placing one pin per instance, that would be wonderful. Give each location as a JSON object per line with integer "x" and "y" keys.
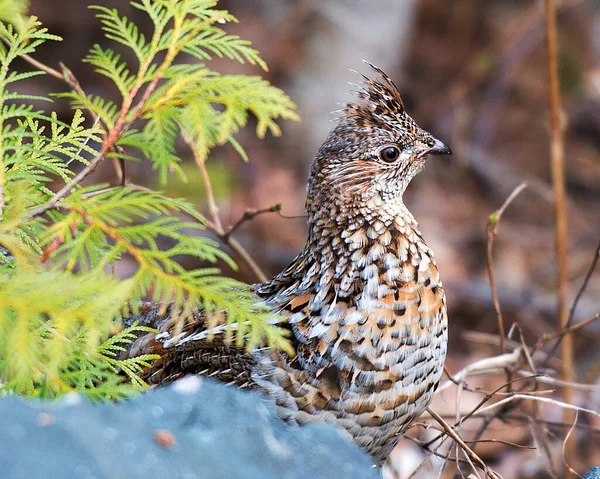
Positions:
{"x": 475, "y": 75}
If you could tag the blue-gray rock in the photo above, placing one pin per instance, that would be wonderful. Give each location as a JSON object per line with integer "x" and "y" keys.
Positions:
{"x": 193, "y": 429}
{"x": 593, "y": 473}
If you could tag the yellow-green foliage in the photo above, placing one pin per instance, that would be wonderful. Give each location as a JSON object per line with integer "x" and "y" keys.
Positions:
{"x": 60, "y": 304}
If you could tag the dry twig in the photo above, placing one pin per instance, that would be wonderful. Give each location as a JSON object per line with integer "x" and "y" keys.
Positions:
{"x": 546, "y": 400}
{"x": 249, "y": 215}
{"x": 568, "y": 328}
{"x": 492, "y": 230}
{"x": 470, "y": 454}
{"x": 494, "y": 364}
{"x": 215, "y": 224}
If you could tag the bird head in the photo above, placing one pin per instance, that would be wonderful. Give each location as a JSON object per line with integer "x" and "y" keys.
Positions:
{"x": 374, "y": 151}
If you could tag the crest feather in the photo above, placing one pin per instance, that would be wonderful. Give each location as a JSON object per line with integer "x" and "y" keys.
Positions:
{"x": 380, "y": 100}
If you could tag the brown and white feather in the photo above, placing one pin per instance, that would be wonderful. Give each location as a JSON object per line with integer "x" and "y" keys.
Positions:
{"x": 363, "y": 300}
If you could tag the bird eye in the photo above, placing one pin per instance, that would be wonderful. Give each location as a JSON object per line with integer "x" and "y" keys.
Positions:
{"x": 389, "y": 154}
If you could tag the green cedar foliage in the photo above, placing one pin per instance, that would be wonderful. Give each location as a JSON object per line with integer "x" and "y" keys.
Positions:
{"x": 60, "y": 303}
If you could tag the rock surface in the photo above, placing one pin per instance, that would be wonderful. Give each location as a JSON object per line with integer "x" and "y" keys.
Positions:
{"x": 193, "y": 429}
{"x": 593, "y": 473}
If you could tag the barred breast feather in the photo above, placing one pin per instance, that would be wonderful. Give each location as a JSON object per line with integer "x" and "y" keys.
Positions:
{"x": 369, "y": 322}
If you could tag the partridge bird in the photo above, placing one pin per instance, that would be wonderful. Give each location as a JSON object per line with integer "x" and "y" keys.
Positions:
{"x": 363, "y": 300}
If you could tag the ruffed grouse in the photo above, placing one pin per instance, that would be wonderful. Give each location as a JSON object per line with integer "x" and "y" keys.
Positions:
{"x": 363, "y": 300}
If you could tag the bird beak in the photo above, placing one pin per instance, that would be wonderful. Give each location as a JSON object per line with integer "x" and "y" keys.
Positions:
{"x": 438, "y": 148}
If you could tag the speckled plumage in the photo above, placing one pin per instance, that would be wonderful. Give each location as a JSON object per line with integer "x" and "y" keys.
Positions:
{"x": 363, "y": 299}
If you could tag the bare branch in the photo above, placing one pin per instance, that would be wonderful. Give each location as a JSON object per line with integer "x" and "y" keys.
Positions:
{"x": 580, "y": 292}
{"x": 492, "y": 230}
{"x": 494, "y": 364}
{"x": 584, "y": 285}
{"x": 249, "y": 215}
{"x": 215, "y": 224}
{"x": 557, "y": 382}
{"x": 213, "y": 209}
{"x": 541, "y": 432}
{"x": 245, "y": 256}
{"x": 555, "y": 402}
{"x": 466, "y": 449}
{"x": 564, "y": 448}
{"x": 526, "y": 417}
{"x": 500, "y": 441}
{"x": 559, "y": 334}
{"x": 432, "y": 452}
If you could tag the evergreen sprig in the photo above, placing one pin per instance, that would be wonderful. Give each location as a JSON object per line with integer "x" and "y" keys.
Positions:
{"x": 60, "y": 303}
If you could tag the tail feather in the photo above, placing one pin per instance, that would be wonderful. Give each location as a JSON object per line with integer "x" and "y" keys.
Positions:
{"x": 214, "y": 356}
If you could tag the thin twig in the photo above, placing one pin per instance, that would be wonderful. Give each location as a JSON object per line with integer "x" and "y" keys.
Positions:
{"x": 501, "y": 441}
{"x": 66, "y": 75}
{"x": 484, "y": 366}
{"x": 215, "y": 224}
{"x": 557, "y": 382}
{"x": 492, "y": 230}
{"x": 467, "y": 450}
{"x": 565, "y": 442}
{"x": 541, "y": 430}
{"x": 584, "y": 285}
{"x": 526, "y": 417}
{"x": 560, "y": 334}
{"x": 487, "y": 420}
{"x": 433, "y": 452}
{"x": 541, "y": 433}
{"x": 555, "y": 402}
{"x": 578, "y": 296}
{"x": 477, "y": 408}
{"x": 557, "y": 162}
{"x": 77, "y": 179}
{"x": 507, "y": 407}
{"x": 37, "y": 64}
{"x": 249, "y": 215}
{"x": 245, "y": 256}
{"x": 109, "y": 142}
{"x": 73, "y": 82}
{"x": 213, "y": 209}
